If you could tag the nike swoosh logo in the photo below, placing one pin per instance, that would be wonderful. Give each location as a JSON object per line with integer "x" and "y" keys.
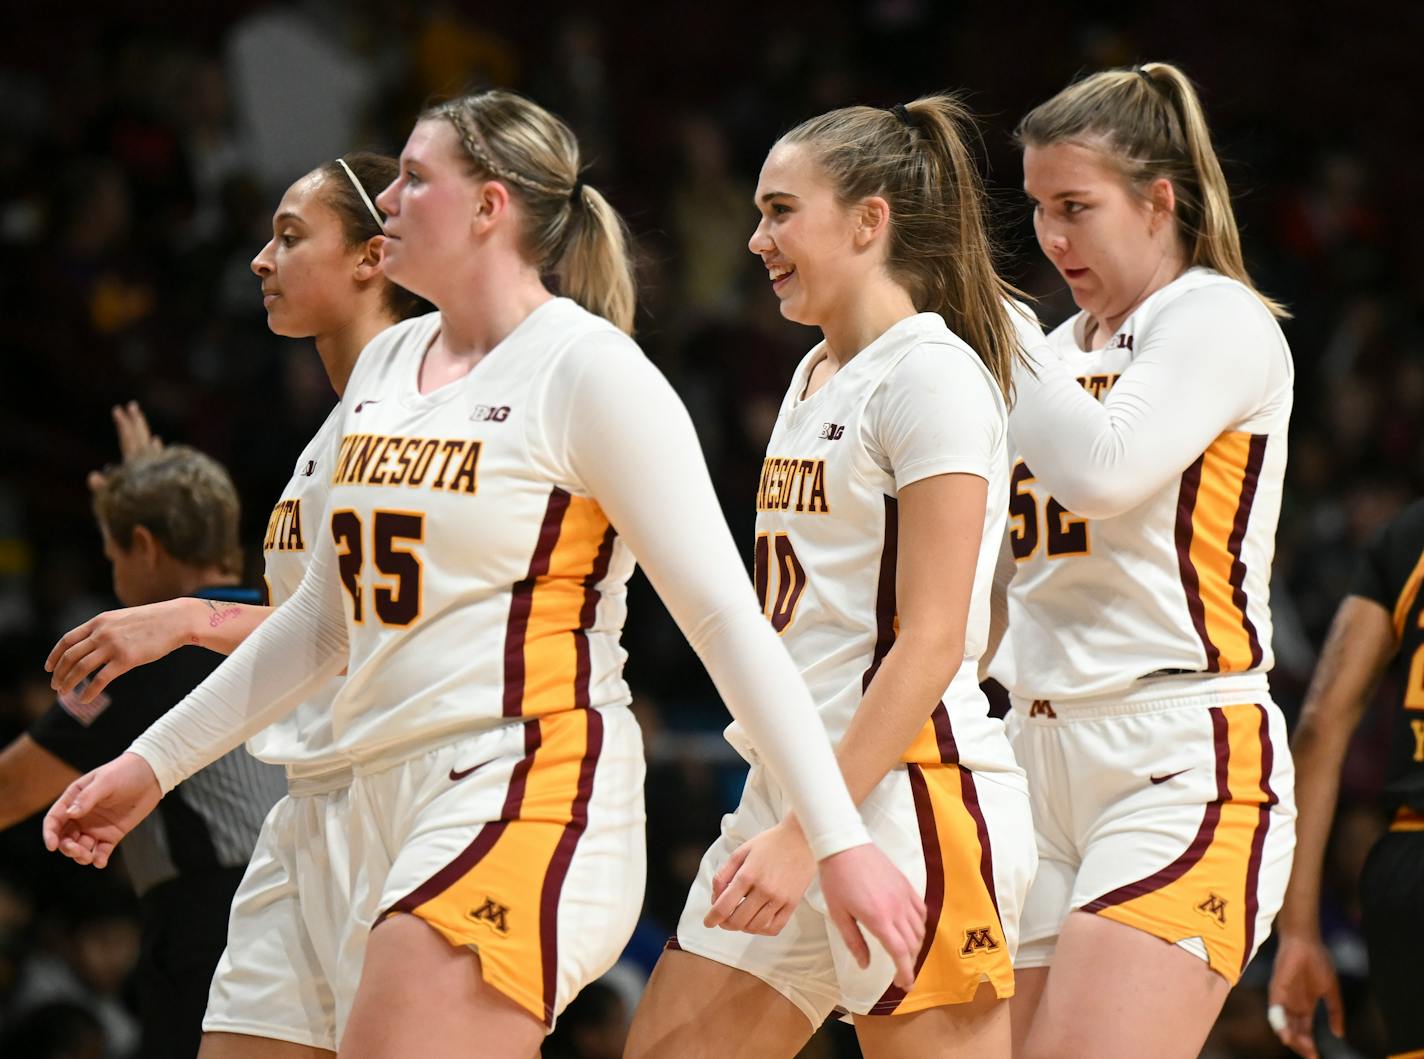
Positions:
{"x": 363, "y": 404}
{"x": 1164, "y": 779}
{"x": 456, "y": 777}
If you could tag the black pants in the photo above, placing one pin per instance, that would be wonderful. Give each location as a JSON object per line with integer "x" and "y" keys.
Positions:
{"x": 184, "y": 934}
{"x": 1392, "y": 900}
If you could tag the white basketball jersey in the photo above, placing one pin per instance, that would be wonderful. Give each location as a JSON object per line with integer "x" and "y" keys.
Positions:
{"x": 301, "y": 740}
{"x": 1170, "y": 598}
{"x": 481, "y": 584}
{"x": 827, "y": 518}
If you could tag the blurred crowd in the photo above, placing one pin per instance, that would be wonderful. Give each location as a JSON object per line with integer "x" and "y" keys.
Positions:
{"x": 141, "y": 156}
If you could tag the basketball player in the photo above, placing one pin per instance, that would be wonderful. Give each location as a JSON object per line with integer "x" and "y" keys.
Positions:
{"x": 1380, "y": 621}
{"x": 1142, "y": 514}
{"x": 472, "y": 581}
{"x": 880, "y": 514}
{"x": 321, "y": 276}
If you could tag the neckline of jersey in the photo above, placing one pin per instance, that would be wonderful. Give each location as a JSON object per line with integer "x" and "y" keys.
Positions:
{"x": 881, "y": 342}
{"x": 1080, "y": 321}
{"x": 411, "y": 396}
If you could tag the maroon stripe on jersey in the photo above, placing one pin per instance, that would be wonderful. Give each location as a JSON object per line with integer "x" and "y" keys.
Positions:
{"x": 1200, "y": 843}
{"x": 591, "y": 596}
{"x": 1255, "y": 456}
{"x": 986, "y": 853}
{"x": 934, "y": 884}
{"x": 559, "y": 864}
{"x": 483, "y": 842}
{"x": 944, "y": 735}
{"x": 673, "y": 945}
{"x": 1191, "y": 582}
{"x": 521, "y": 600}
{"x": 1258, "y": 840}
{"x": 885, "y": 592}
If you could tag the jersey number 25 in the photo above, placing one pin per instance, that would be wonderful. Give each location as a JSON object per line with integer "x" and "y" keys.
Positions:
{"x": 397, "y": 597}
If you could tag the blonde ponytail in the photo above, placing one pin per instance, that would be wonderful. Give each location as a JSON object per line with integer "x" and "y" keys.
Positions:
{"x": 595, "y": 268}
{"x": 571, "y": 232}
{"x": 1149, "y": 121}
{"x": 916, "y": 158}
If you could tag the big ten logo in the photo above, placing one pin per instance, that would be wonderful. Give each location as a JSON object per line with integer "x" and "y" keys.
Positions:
{"x": 490, "y": 413}
{"x": 977, "y": 940}
{"x": 1215, "y": 907}
{"x": 832, "y": 431}
{"x": 492, "y": 914}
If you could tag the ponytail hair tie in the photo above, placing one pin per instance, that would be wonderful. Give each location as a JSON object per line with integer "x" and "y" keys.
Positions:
{"x": 576, "y": 192}
{"x": 906, "y": 118}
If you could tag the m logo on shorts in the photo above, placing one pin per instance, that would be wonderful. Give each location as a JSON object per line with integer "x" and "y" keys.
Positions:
{"x": 493, "y": 913}
{"x": 1215, "y": 907}
{"x": 1042, "y": 708}
{"x": 977, "y": 940}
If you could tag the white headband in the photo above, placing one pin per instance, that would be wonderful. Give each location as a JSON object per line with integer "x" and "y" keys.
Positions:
{"x": 362, "y": 192}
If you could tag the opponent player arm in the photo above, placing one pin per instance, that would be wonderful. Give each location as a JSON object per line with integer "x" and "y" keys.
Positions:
{"x": 112, "y": 643}
{"x": 1206, "y": 364}
{"x": 1359, "y": 646}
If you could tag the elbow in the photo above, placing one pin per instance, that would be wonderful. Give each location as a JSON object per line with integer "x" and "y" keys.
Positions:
{"x": 938, "y": 654}
{"x": 1097, "y": 498}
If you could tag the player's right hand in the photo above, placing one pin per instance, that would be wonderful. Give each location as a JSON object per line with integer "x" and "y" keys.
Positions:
{"x": 863, "y": 889}
{"x": 1301, "y": 977}
{"x": 116, "y": 641}
{"x": 100, "y": 808}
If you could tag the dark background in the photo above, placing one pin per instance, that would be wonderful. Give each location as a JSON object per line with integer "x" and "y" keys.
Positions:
{"x": 143, "y": 148}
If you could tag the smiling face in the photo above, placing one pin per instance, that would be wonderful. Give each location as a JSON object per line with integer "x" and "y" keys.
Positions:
{"x": 1112, "y": 245}
{"x": 308, "y": 271}
{"x": 807, "y": 238}
{"x": 429, "y": 209}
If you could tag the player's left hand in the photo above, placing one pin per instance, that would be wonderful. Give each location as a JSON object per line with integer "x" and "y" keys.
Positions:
{"x": 863, "y": 889}
{"x": 763, "y": 881}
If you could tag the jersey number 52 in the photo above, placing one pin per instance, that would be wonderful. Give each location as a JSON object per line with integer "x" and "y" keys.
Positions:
{"x": 397, "y": 596}
{"x": 1067, "y": 533}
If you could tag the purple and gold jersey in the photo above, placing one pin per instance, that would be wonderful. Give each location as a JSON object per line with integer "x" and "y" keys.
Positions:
{"x": 482, "y": 585}
{"x": 301, "y": 740}
{"x": 1170, "y": 596}
{"x": 916, "y": 402}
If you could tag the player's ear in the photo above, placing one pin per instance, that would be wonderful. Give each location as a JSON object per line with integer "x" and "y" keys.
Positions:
{"x": 872, "y": 219}
{"x": 372, "y": 254}
{"x": 146, "y": 547}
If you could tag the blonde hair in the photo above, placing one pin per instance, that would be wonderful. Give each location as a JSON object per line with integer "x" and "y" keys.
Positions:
{"x": 914, "y": 156}
{"x": 184, "y": 498}
{"x": 1149, "y": 122}
{"x": 571, "y": 231}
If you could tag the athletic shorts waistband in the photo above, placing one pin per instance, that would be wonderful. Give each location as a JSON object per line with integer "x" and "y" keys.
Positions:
{"x": 304, "y": 784}
{"x": 1158, "y": 696}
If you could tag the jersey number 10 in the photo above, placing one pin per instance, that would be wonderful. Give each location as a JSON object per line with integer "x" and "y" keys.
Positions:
{"x": 774, "y": 550}
{"x": 398, "y": 598}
